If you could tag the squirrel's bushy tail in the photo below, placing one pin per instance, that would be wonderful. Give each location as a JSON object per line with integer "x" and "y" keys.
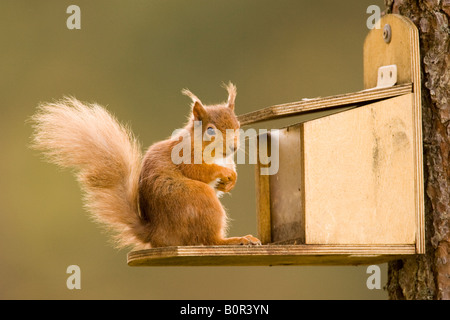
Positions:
{"x": 107, "y": 159}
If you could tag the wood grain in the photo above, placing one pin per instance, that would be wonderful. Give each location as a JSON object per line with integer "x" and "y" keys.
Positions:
{"x": 317, "y": 104}
{"x": 286, "y": 188}
{"x": 263, "y": 206}
{"x": 359, "y": 175}
{"x": 403, "y": 51}
{"x": 267, "y": 255}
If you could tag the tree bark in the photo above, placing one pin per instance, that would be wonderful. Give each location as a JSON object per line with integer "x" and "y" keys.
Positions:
{"x": 428, "y": 276}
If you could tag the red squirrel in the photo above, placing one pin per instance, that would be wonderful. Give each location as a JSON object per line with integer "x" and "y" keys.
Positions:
{"x": 146, "y": 201}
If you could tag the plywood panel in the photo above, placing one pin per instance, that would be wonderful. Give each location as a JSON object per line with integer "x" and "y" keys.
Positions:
{"x": 323, "y": 103}
{"x": 267, "y": 255}
{"x": 263, "y": 197}
{"x": 403, "y": 51}
{"x": 286, "y": 188}
{"x": 359, "y": 175}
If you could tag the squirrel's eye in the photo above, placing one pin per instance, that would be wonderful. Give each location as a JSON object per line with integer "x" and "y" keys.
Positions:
{"x": 210, "y": 131}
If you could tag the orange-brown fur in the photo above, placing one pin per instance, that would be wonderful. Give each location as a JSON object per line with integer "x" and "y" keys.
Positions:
{"x": 150, "y": 201}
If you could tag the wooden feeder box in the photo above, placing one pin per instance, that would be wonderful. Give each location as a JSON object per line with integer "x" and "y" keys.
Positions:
{"x": 349, "y": 188}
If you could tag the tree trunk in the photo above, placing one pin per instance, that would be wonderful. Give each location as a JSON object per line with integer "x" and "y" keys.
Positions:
{"x": 428, "y": 276}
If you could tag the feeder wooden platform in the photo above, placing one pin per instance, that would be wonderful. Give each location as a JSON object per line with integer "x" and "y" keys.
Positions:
{"x": 268, "y": 255}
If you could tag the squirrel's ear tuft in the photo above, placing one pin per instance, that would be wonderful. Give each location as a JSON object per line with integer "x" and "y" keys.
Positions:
{"x": 231, "y": 88}
{"x": 188, "y": 93}
{"x": 198, "y": 110}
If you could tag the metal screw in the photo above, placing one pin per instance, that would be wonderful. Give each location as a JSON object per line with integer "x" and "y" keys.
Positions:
{"x": 387, "y": 33}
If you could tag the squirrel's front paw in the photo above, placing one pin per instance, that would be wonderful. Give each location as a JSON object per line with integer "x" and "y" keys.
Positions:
{"x": 225, "y": 186}
{"x": 227, "y": 181}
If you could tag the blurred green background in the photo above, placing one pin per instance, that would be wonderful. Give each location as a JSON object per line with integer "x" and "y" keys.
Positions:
{"x": 134, "y": 57}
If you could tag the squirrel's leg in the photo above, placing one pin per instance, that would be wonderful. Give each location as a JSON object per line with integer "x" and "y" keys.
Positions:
{"x": 211, "y": 221}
